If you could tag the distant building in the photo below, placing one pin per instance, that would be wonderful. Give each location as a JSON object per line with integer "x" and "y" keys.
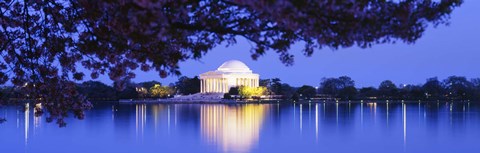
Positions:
{"x": 232, "y": 73}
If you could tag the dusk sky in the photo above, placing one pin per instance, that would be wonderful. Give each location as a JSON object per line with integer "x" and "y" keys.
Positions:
{"x": 442, "y": 51}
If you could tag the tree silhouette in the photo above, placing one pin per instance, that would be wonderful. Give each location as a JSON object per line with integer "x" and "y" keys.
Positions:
{"x": 476, "y": 86}
{"x": 388, "y": 89}
{"x": 43, "y": 43}
{"x": 458, "y": 87}
{"x": 187, "y": 86}
{"x": 433, "y": 88}
{"x": 306, "y": 92}
{"x": 330, "y": 86}
{"x": 368, "y": 92}
{"x": 341, "y": 87}
{"x": 97, "y": 90}
{"x": 348, "y": 93}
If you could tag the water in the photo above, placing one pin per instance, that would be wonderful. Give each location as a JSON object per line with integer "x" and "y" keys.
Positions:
{"x": 317, "y": 127}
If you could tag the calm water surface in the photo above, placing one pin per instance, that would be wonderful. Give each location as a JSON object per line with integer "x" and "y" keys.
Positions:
{"x": 317, "y": 127}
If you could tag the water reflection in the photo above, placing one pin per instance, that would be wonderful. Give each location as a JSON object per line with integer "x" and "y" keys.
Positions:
{"x": 140, "y": 120}
{"x": 233, "y": 128}
{"x": 315, "y": 127}
{"x": 37, "y": 120}
{"x": 316, "y": 122}
{"x": 27, "y": 114}
{"x": 404, "y": 112}
{"x": 301, "y": 121}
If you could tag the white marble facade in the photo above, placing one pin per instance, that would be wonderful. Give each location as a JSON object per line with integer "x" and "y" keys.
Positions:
{"x": 232, "y": 73}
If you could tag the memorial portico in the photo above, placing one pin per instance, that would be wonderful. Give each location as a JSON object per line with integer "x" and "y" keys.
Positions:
{"x": 232, "y": 73}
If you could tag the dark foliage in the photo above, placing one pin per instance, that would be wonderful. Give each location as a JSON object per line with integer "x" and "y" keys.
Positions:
{"x": 388, "y": 90}
{"x": 187, "y": 86}
{"x": 452, "y": 88}
{"x": 288, "y": 91}
{"x": 42, "y": 43}
{"x": 227, "y": 96}
{"x": 233, "y": 91}
{"x": 412, "y": 92}
{"x": 277, "y": 87}
{"x": 367, "y": 93}
{"x": 342, "y": 87}
{"x": 433, "y": 88}
{"x": 96, "y": 90}
{"x": 306, "y": 92}
{"x": 458, "y": 87}
{"x": 128, "y": 92}
{"x": 476, "y": 86}
{"x": 265, "y": 82}
{"x": 348, "y": 93}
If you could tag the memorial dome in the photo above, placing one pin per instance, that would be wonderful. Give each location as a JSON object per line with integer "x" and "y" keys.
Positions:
{"x": 234, "y": 66}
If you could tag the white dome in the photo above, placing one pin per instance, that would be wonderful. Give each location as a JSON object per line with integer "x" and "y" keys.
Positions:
{"x": 234, "y": 66}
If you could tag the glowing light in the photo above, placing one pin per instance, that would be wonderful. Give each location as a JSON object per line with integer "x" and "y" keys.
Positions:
{"x": 27, "y": 116}
{"x": 316, "y": 122}
{"x": 336, "y": 111}
{"x": 301, "y": 113}
{"x": 232, "y": 73}
{"x": 140, "y": 119}
{"x": 235, "y": 129}
{"x": 387, "y": 114}
{"x": 361, "y": 114}
{"x": 404, "y": 112}
{"x": 250, "y": 92}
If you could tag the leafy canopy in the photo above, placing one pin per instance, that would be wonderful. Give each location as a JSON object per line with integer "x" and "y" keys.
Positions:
{"x": 161, "y": 91}
{"x": 43, "y": 43}
{"x": 250, "y": 92}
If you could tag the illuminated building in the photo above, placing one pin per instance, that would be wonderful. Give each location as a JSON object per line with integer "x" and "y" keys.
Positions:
{"x": 232, "y": 73}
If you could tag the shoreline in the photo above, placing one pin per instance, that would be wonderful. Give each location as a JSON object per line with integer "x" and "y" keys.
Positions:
{"x": 224, "y": 101}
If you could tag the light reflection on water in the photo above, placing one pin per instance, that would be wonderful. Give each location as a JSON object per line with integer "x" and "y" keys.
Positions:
{"x": 27, "y": 114}
{"x": 310, "y": 127}
{"x": 233, "y": 128}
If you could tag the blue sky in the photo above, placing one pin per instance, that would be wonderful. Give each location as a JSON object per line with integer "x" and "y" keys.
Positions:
{"x": 442, "y": 51}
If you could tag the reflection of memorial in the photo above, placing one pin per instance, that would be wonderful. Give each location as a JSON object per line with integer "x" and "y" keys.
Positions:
{"x": 232, "y": 128}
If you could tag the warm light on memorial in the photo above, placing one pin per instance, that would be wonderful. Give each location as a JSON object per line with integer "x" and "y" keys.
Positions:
{"x": 232, "y": 73}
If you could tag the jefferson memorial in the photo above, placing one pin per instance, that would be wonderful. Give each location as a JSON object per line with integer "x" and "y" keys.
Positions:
{"x": 232, "y": 73}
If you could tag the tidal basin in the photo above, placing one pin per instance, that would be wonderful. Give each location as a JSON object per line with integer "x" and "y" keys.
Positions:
{"x": 373, "y": 127}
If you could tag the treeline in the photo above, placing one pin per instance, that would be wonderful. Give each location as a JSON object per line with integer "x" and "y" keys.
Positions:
{"x": 343, "y": 88}
{"x": 98, "y": 91}
{"x": 95, "y": 90}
